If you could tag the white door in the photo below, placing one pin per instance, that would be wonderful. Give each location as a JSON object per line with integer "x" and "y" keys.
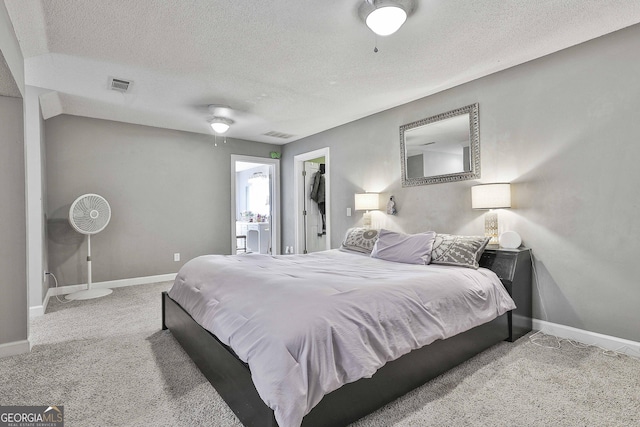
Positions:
{"x": 302, "y": 203}
{"x": 315, "y": 220}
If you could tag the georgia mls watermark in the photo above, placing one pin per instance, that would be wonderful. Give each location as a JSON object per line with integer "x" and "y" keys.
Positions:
{"x": 31, "y": 416}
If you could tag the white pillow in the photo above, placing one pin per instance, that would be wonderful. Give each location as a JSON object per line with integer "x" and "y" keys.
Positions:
{"x": 406, "y": 248}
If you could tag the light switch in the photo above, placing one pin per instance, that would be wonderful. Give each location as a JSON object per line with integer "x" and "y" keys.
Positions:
{"x": 348, "y": 211}
{"x": 176, "y": 256}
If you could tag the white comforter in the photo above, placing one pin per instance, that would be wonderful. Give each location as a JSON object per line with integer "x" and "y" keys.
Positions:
{"x": 307, "y": 324}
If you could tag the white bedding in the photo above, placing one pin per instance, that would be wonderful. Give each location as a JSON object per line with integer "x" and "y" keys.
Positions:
{"x": 308, "y": 324}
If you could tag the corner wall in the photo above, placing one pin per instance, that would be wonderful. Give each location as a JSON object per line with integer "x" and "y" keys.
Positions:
{"x": 14, "y": 317}
{"x": 13, "y": 244}
{"x": 35, "y": 197}
{"x": 564, "y": 130}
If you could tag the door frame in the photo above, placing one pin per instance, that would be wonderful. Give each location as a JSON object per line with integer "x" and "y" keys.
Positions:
{"x": 275, "y": 199}
{"x": 298, "y": 189}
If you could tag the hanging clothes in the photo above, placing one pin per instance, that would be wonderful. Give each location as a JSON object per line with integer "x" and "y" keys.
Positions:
{"x": 317, "y": 195}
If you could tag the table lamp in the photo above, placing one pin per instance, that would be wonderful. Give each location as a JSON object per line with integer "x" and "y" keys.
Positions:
{"x": 491, "y": 196}
{"x": 367, "y": 202}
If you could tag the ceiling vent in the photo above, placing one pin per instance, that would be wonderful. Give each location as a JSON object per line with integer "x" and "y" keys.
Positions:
{"x": 119, "y": 85}
{"x": 280, "y": 135}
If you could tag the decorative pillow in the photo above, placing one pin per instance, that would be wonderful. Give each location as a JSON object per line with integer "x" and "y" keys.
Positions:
{"x": 406, "y": 248}
{"x": 464, "y": 251}
{"x": 359, "y": 240}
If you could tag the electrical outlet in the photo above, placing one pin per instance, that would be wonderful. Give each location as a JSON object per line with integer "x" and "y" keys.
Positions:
{"x": 176, "y": 256}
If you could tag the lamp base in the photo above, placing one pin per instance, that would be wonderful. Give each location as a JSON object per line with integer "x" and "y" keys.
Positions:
{"x": 491, "y": 227}
{"x": 366, "y": 220}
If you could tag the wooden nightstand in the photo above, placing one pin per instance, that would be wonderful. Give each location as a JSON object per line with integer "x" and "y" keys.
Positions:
{"x": 513, "y": 267}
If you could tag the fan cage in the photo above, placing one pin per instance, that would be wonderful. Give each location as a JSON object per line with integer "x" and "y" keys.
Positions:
{"x": 89, "y": 214}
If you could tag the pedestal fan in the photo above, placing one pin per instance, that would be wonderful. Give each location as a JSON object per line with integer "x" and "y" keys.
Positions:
{"x": 89, "y": 214}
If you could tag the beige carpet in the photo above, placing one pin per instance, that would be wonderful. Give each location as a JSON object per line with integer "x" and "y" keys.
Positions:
{"x": 109, "y": 364}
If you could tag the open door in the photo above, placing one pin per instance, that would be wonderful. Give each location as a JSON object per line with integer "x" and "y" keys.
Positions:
{"x": 313, "y": 189}
{"x": 255, "y": 198}
{"x": 314, "y": 211}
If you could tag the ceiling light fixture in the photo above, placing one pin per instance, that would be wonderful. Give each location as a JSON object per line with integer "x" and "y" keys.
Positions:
{"x": 386, "y": 20}
{"x": 220, "y": 124}
{"x": 385, "y": 17}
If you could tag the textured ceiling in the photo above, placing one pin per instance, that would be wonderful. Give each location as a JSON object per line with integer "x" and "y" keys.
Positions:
{"x": 8, "y": 85}
{"x": 297, "y": 67}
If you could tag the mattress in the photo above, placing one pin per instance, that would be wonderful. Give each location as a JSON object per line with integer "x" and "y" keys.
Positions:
{"x": 308, "y": 324}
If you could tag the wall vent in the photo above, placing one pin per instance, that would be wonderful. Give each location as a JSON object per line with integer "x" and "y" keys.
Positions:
{"x": 120, "y": 85}
{"x": 278, "y": 134}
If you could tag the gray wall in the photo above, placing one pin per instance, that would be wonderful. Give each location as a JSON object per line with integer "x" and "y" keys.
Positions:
{"x": 13, "y": 238}
{"x": 564, "y": 130}
{"x": 415, "y": 166}
{"x": 169, "y": 192}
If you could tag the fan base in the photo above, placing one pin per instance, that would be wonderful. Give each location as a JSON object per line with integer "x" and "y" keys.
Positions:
{"x": 88, "y": 294}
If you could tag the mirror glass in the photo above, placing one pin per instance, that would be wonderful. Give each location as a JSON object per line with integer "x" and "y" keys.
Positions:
{"x": 442, "y": 148}
{"x": 258, "y": 194}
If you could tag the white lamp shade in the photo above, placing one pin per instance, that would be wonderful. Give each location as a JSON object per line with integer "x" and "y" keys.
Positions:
{"x": 491, "y": 196}
{"x": 220, "y": 124}
{"x": 386, "y": 20}
{"x": 367, "y": 201}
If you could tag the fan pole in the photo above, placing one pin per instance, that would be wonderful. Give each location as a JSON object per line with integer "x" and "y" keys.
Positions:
{"x": 88, "y": 261}
{"x": 89, "y": 293}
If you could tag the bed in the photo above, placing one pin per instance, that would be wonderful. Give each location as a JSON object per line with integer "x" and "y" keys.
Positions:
{"x": 325, "y": 338}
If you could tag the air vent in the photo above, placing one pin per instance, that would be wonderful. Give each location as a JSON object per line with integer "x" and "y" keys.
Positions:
{"x": 278, "y": 134}
{"x": 119, "y": 85}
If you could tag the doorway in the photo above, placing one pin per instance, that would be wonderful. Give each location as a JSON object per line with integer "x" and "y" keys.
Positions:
{"x": 312, "y": 187}
{"x": 255, "y": 198}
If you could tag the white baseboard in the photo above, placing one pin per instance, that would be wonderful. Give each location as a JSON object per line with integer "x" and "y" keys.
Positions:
{"x": 621, "y": 345}
{"x": 37, "y": 310}
{"x": 14, "y": 348}
{"x": 64, "y": 290}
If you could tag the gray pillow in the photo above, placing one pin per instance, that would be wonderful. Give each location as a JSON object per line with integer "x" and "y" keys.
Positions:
{"x": 463, "y": 251}
{"x": 406, "y": 248}
{"x": 359, "y": 240}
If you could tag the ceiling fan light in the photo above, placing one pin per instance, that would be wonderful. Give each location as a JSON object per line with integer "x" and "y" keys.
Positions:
{"x": 220, "y": 124}
{"x": 219, "y": 127}
{"x": 386, "y": 20}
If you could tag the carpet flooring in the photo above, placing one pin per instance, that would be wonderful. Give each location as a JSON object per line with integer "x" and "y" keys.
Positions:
{"x": 110, "y": 364}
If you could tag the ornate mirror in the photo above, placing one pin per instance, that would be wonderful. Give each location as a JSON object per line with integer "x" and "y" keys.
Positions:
{"x": 442, "y": 148}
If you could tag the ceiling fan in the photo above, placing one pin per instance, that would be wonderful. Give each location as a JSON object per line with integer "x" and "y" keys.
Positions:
{"x": 220, "y": 120}
{"x": 227, "y": 121}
